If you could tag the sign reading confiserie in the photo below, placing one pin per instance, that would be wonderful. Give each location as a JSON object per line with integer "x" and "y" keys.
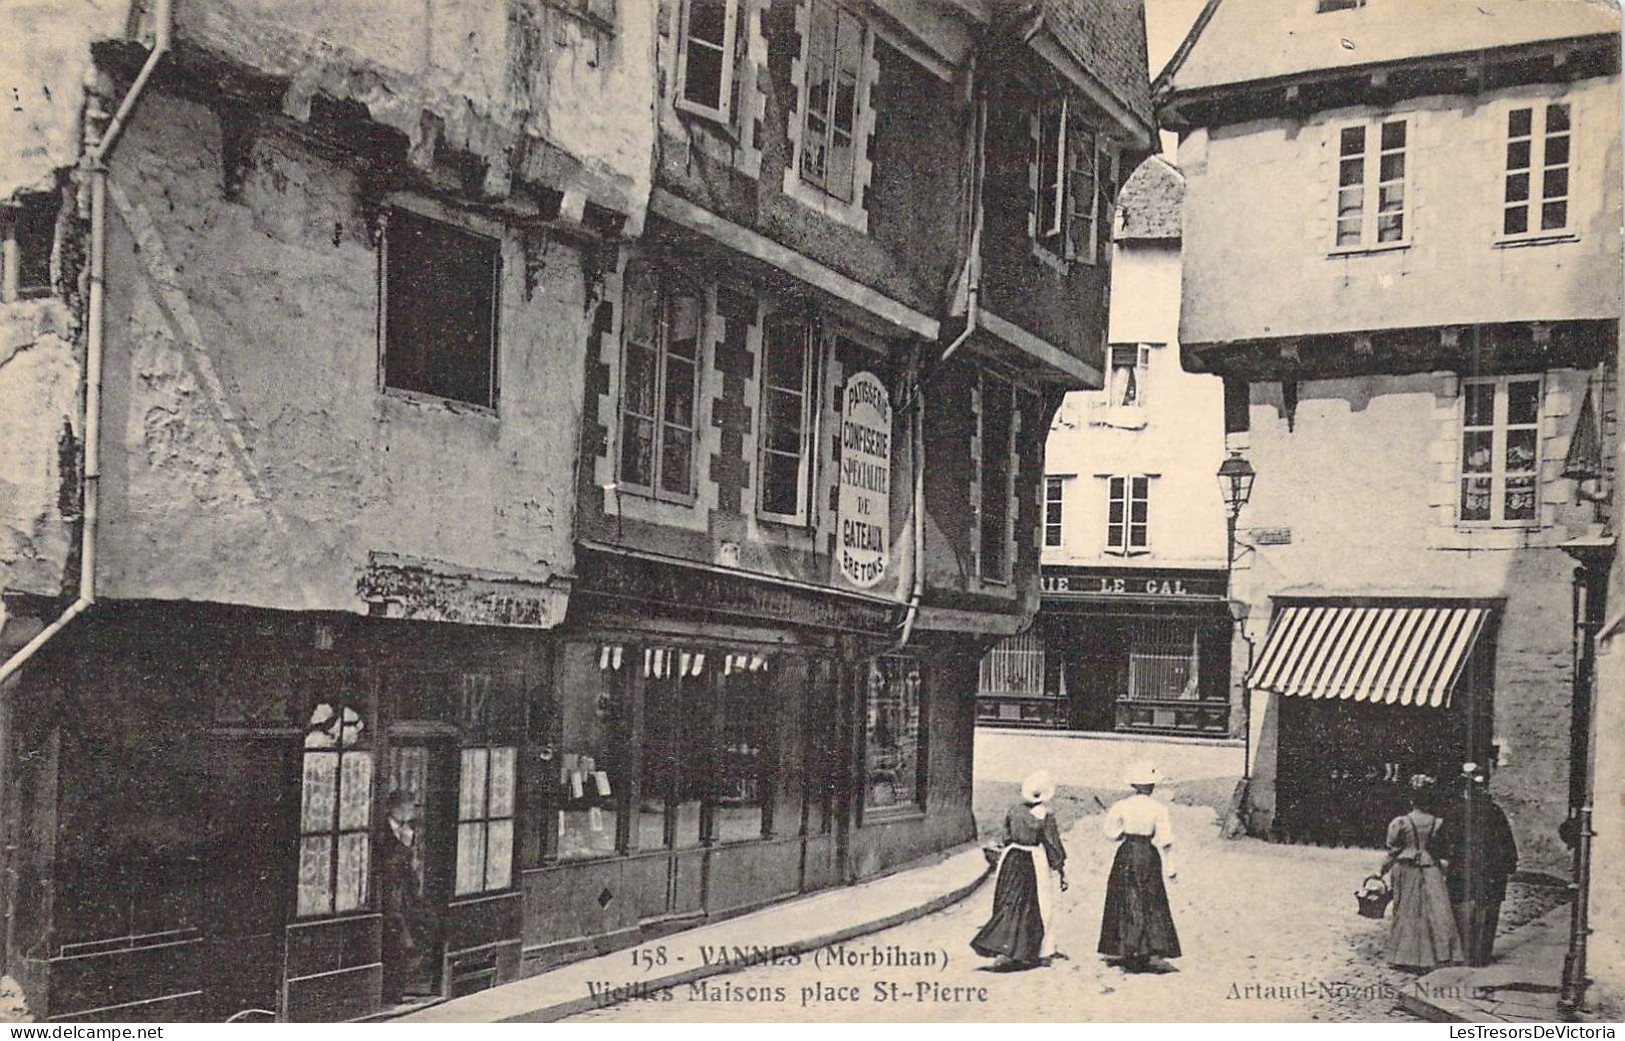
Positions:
{"x": 864, "y": 500}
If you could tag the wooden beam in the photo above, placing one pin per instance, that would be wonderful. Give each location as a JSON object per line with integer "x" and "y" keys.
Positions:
{"x": 798, "y": 265}
{"x": 1041, "y": 351}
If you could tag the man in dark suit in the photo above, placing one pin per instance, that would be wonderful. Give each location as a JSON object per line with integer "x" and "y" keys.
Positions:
{"x": 1483, "y": 856}
{"x": 403, "y": 902}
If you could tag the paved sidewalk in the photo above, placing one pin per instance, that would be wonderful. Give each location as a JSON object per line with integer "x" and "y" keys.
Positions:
{"x": 1520, "y": 986}
{"x": 793, "y": 927}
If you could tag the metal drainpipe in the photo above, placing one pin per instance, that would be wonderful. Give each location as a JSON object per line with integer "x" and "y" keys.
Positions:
{"x": 1571, "y": 995}
{"x": 95, "y": 162}
{"x": 973, "y": 295}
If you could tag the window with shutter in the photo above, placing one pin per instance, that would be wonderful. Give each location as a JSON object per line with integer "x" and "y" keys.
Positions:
{"x": 832, "y": 73}
{"x": 1075, "y": 187}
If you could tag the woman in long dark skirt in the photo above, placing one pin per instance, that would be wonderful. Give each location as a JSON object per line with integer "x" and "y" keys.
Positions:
{"x": 1021, "y": 930}
{"x": 1423, "y": 933}
{"x": 1137, "y": 924}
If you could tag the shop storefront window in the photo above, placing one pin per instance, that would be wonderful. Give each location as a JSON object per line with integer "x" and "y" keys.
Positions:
{"x": 1159, "y": 671}
{"x": 587, "y": 778}
{"x": 895, "y": 744}
{"x": 677, "y": 737}
{"x": 747, "y": 756}
{"x": 488, "y": 719}
{"x": 335, "y": 817}
{"x": 485, "y": 806}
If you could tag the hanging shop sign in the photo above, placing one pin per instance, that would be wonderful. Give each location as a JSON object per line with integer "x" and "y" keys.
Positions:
{"x": 863, "y": 537}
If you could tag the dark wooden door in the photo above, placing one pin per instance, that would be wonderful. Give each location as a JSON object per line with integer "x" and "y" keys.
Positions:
{"x": 251, "y": 804}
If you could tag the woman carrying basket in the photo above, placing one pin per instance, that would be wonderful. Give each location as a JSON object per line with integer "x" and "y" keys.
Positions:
{"x": 1423, "y": 933}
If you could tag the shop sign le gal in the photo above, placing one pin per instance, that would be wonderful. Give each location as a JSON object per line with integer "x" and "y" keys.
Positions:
{"x": 864, "y": 500}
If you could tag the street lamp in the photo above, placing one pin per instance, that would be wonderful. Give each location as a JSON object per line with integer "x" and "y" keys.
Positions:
{"x": 1236, "y": 486}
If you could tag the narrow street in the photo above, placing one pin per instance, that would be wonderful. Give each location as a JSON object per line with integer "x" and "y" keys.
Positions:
{"x": 1269, "y": 934}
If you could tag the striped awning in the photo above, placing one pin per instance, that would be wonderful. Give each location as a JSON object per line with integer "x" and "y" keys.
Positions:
{"x": 1384, "y": 655}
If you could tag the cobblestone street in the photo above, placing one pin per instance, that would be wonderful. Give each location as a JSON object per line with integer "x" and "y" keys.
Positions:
{"x": 1269, "y": 934}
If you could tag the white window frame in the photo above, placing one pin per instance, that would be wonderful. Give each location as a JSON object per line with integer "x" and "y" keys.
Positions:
{"x": 665, "y": 289}
{"x": 1055, "y": 510}
{"x": 1050, "y": 161}
{"x": 1125, "y": 527}
{"x": 1371, "y": 184}
{"x": 848, "y": 195}
{"x": 1535, "y": 200}
{"x": 476, "y": 823}
{"x": 1499, "y": 430}
{"x": 722, "y": 111}
{"x": 812, "y": 349}
{"x": 1140, "y": 369}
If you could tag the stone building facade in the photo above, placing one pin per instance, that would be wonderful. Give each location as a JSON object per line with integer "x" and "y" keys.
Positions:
{"x": 1402, "y": 254}
{"x": 1133, "y": 634}
{"x": 515, "y": 416}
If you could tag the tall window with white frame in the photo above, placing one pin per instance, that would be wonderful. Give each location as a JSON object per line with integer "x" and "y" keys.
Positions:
{"x": 659, "y": 385}
{"x": 787, "y": 417}
{"x": 1372, "y": 209}
{"x": 1536, "y": 201}
{"x": 833, "y": 73}
{"x": 1054, "y": 505}
{"x": 335, "y": 815}
{"x": 487, "y": 785}
{"x": 1128, "y": 507}
{"x": 1500, "y": 450}
{"x": 996, "y": 469}
{"x": 706, "y": 58}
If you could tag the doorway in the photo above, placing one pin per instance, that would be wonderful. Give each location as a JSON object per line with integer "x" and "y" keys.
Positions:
{"x": 416, "y": 858}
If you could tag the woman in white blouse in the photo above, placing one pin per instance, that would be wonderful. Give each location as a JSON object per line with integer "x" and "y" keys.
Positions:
{"x": 1137, "y": 924}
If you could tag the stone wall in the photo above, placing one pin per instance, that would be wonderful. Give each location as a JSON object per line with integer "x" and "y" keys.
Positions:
{"x": 1261, "y": 204}
{"x": 252, "y": 455}
{"x": 1344, "y": 506}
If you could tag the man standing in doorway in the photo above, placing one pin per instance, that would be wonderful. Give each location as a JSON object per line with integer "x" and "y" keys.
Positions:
{"x": 403, "y": 901}
{"x": 1483, "y": 856}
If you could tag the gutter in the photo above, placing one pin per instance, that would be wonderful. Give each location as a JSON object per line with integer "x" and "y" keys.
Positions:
{"x": 95, "y": 163}
{"x": 973, "y": 292}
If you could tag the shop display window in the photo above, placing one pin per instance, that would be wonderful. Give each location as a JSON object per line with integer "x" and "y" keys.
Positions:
{"x": 335, "y": 816}
{"x": 584, "y": 766}
{"x": 746, "y": 760}
{"x": 678, "y": 767}
{"x": 488, "y": 719}
{"x": 894, "y": 754}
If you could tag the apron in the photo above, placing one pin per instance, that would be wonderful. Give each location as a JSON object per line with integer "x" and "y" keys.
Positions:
{"x": 1047, "y": 894}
